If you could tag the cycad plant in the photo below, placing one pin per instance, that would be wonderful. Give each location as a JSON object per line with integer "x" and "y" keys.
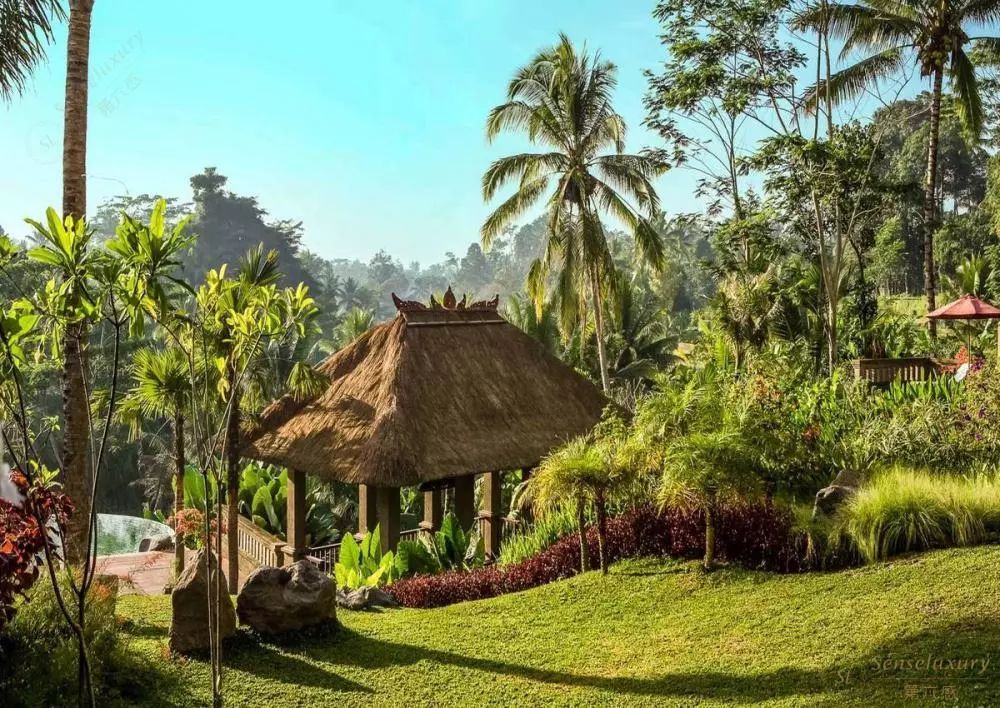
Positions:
{"x": 562, "y": 100}
{"x": 890, "y": 34}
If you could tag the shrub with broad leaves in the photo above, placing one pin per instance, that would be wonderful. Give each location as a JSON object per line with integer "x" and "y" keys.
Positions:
{"x": 22, "y": 537}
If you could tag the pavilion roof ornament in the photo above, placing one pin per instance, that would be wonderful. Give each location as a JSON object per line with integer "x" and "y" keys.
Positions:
{"x": 449, "y": 302}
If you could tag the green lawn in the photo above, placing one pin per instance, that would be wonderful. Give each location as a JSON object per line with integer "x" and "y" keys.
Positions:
{"x": 652, "y": 633}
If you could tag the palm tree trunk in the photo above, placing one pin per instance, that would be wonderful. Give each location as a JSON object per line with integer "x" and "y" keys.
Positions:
{"x": 233, "y": 486}
{"x": 581, "y": 524}
{"x": 709, "y": 561}
{"x": 77, "y": 475}
{"x": 602, "y": 529}
{"x": 178, "y": 491}
{"x": 930, "y": 193}
{"x": 602, "y": 355}
{"x": 75, "y": 110}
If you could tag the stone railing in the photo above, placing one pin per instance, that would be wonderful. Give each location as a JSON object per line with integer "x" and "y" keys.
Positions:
{"x": 258, "y": 546}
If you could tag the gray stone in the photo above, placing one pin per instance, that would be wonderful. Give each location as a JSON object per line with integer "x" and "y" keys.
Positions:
{"x": 164, "y": 542}
{"x": 280, "y": 600}
{"x": 189, "y": 601}
{"x": 364, "y": 598}
{"x": 829, "y": 499}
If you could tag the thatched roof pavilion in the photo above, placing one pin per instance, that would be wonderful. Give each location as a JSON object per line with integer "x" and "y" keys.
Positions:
{"x": 434, "y": 396}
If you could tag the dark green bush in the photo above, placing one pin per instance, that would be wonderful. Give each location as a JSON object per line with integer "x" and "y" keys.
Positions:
{"x": 38, "y": 651}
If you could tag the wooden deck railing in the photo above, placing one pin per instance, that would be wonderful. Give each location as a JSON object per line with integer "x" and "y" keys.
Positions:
{"x": 326, "y": 556}
{"x": 882, "y": 372}
{"x": 510, "y": 525}
{"x": 257, "y": 545}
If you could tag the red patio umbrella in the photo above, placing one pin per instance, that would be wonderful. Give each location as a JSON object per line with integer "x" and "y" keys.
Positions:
{"x": 968, "y": 307}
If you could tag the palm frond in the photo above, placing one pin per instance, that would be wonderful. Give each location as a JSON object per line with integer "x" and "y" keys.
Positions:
{"x": 852, "y": 81}
{"x": 513, "y": 207}
{"x": 968, "y": 103}
{"x": 981, "y": 11}
{"x": 527, "y": 166}
{"x": 25, "y": 33}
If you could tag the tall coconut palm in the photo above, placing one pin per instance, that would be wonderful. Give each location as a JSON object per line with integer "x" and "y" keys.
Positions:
{"x": 76, "y": 421}
{"x": 892, "y": 32}
{"x": 562, "y": 99}
{"x": 162, "y": 389}
{"x": 25, "y": 32}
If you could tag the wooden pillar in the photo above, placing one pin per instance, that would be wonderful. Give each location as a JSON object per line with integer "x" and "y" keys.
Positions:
{"x": 526, "y": 513}
{"x": 433, "y": 511}
{"x": 491, "y": 513}
{"x": 465, "y": 500}
{"x": 387, "y": 512}
{"x": 366, "y": 509}
{"x": 296, "y": 515}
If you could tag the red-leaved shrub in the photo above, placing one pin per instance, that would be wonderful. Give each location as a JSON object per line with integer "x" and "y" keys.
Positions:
{"x": 755, "y": 535}
{"x": 22, "y": 539}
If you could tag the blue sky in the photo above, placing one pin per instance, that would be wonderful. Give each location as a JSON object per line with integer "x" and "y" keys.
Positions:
{"x": 364, "y": 120}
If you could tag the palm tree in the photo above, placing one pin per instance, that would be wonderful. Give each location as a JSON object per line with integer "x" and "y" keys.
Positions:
{"x": 25, "y": 31}
{"x": 562, "y": 100}
{"x": 557, "y": 481}
{"x": 700, "y": 470}
{"x": 162, "y": 389}
{"x": 538, "y": 322}
{"x": 584, "y": 471}
{"x": 76, "y": 415}
{"x": 356, "y": 322}
{"x": 352, "y": 294}
{"x": 285, "y": 319}
{"x": 888, "y": 31}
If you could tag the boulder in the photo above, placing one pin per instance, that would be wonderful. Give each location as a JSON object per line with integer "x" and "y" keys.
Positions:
{"x": 164, "y": 542}
{"x": 829, "y": 499}
{"x": 189, "y": 601}
{"x": 364, "y": 598}
{"x": 288, "y": 599}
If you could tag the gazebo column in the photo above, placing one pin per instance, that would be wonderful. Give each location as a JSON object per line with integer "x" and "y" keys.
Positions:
{"x": 465, "y": 500}
{"x": 433, "y": 511}
{"x": 525, "y": 512}
{"x": 296, "y": 513}
{"x": 387, "y": 513}
{"x": 366, "y": 509}
{"x": 491, "y": 513}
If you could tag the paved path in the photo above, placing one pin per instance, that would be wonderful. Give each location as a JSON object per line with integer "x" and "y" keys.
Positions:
{"x": 140, "y": 573}
{"x": 147, "y": 573}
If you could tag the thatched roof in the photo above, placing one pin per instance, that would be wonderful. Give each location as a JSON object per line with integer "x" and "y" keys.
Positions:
{"x": 437, "y": 392}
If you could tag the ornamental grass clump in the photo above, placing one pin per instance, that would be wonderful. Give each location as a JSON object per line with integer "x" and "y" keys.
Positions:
{"x": 905, "y": 510}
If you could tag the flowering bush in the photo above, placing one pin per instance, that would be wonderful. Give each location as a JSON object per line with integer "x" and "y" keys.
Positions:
{"x": 22, "y": 539}
{"x": 191, "y": 523}
{"x": 755, "y": 535}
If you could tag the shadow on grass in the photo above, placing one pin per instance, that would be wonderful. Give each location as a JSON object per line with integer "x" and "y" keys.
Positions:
{"x": 855, "y": 678}
{"x": 320, "y": 662}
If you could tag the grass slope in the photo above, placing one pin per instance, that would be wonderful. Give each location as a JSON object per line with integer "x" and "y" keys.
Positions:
{"x": 652, "y": 632}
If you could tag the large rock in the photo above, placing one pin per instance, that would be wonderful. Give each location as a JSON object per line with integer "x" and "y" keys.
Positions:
{"x": 364, "y": 598}
{"x": 189, "y": 600}
{"x": 831, "y": 498}
{"x": 280, "y": 600}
